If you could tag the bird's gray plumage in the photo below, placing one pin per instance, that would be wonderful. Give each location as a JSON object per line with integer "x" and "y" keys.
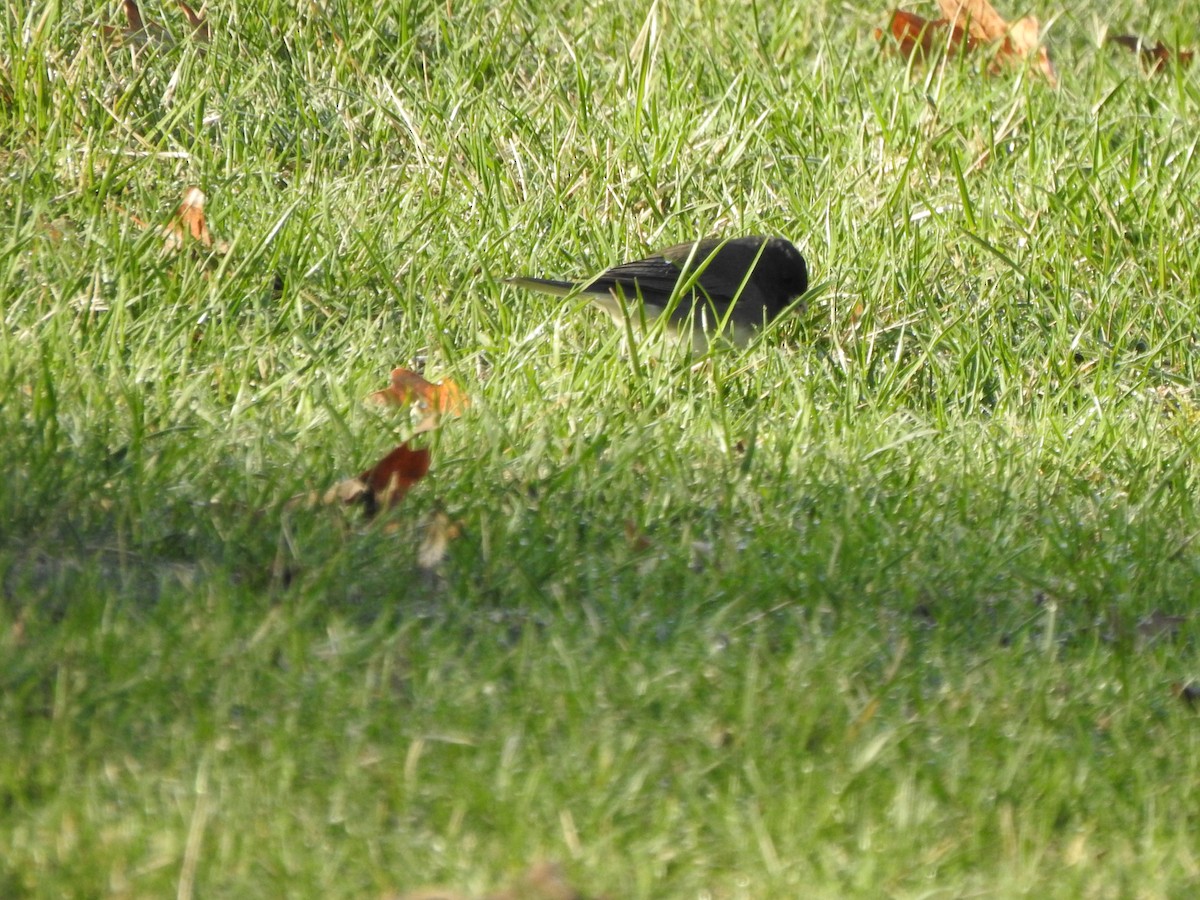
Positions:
{"x": 742, "y": 282}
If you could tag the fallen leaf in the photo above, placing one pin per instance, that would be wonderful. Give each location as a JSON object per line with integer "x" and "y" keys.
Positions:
{"x": 348, "y": 490}
{"x": 394, "y": 475}
{"x": 142, "y": 32}
{"x": 408, "y": 387}
{"x": 188, "y": 222}
{"x": 384, "y": 484}
{"x": 200, "y": 31}
{"x": 1018, "y": 41}
{"x": 137, "y": 30}
{"x": 978, "y": 16}
{"x": 432, "y": 400}
{"x": 1157, "y": 57}
{"x": 917, "y": 36}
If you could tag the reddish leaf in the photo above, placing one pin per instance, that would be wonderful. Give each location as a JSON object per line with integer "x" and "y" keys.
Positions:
{"x": 1157, "y": 57}
{"x": 392, "y": 477}
{"x": 432, "y": 401}
{"x": 918, "y": 36}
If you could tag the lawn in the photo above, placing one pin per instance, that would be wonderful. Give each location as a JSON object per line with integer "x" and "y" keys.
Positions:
{"x": 898, "y": 601}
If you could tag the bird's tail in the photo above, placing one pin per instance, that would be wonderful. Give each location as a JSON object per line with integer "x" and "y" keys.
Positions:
{"x": 545, "y": 285}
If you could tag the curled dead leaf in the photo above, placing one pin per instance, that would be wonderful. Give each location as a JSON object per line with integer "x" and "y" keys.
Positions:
{"x": 199, "y": 25}
{"x": 394, "y": 475}
{"x": 1018, "y": 42}
{"x": 978, "y": 16}
{"x": 431, "y": 400}
{"x": 919, "y": 37}
{"x": 967, "y": 25}
{"x": 408, "y": 387}
{"x": 189, "y": 222}
{"x": 1157, "y": 58}
{"x": 384, "y": 484}
{"x": 141, "y": 32}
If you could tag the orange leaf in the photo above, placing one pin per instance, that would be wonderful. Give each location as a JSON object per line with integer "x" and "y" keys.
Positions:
{"x": 138, "y": 30}
{"x": 200, "y": 32}
{"x": 141, "y": 32}
{"x": 408, "y": 388}
{"x": 1024, "y": 41}
{"x": 189, "y": 221}
{"x": 980, "y": 18}
{"x": 1157, "y": 57}
{"x": 919, "y": 36}
{"x": 985, "y": 25}
{"x": 392, "y": 477}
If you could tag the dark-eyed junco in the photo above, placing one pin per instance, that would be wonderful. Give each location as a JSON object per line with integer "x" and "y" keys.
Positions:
{"x": 733, "y": 286}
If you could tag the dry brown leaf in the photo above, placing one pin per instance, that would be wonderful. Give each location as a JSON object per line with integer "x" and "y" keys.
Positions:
{"x": 408, "y": 387}
{"x": 384, "y": 484}
{"x": 1158, "y": 57}
{"x": 137, "y": 30}
{"x": 1024, "y": 40}
{"x": 916, "y": 36}
{"x": 394, "y": 475}
{"x": 348, "y": 490}
{"x": 134, "y": 16}
{"x": 189, "y": 221}
{"x": 431, "y": 400}
{"x": 981, "y": 19}
{"x": 140, "y": 32}
{"x": 1018, "y": 41}
{"x": 199, "y": 24}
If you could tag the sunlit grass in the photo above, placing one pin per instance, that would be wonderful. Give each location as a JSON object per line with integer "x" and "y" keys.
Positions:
{"x": 896, "y": 602}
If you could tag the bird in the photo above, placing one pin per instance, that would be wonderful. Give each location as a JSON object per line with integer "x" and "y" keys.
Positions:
{"x": 733, "y": 286}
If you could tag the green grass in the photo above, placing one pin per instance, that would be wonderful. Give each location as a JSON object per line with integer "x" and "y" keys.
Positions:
{"x": 852, "y": 613}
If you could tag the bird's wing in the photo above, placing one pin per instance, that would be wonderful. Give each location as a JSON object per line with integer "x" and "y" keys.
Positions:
{"x": 724, "y": 264}
{"x": 654, "y": 279}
